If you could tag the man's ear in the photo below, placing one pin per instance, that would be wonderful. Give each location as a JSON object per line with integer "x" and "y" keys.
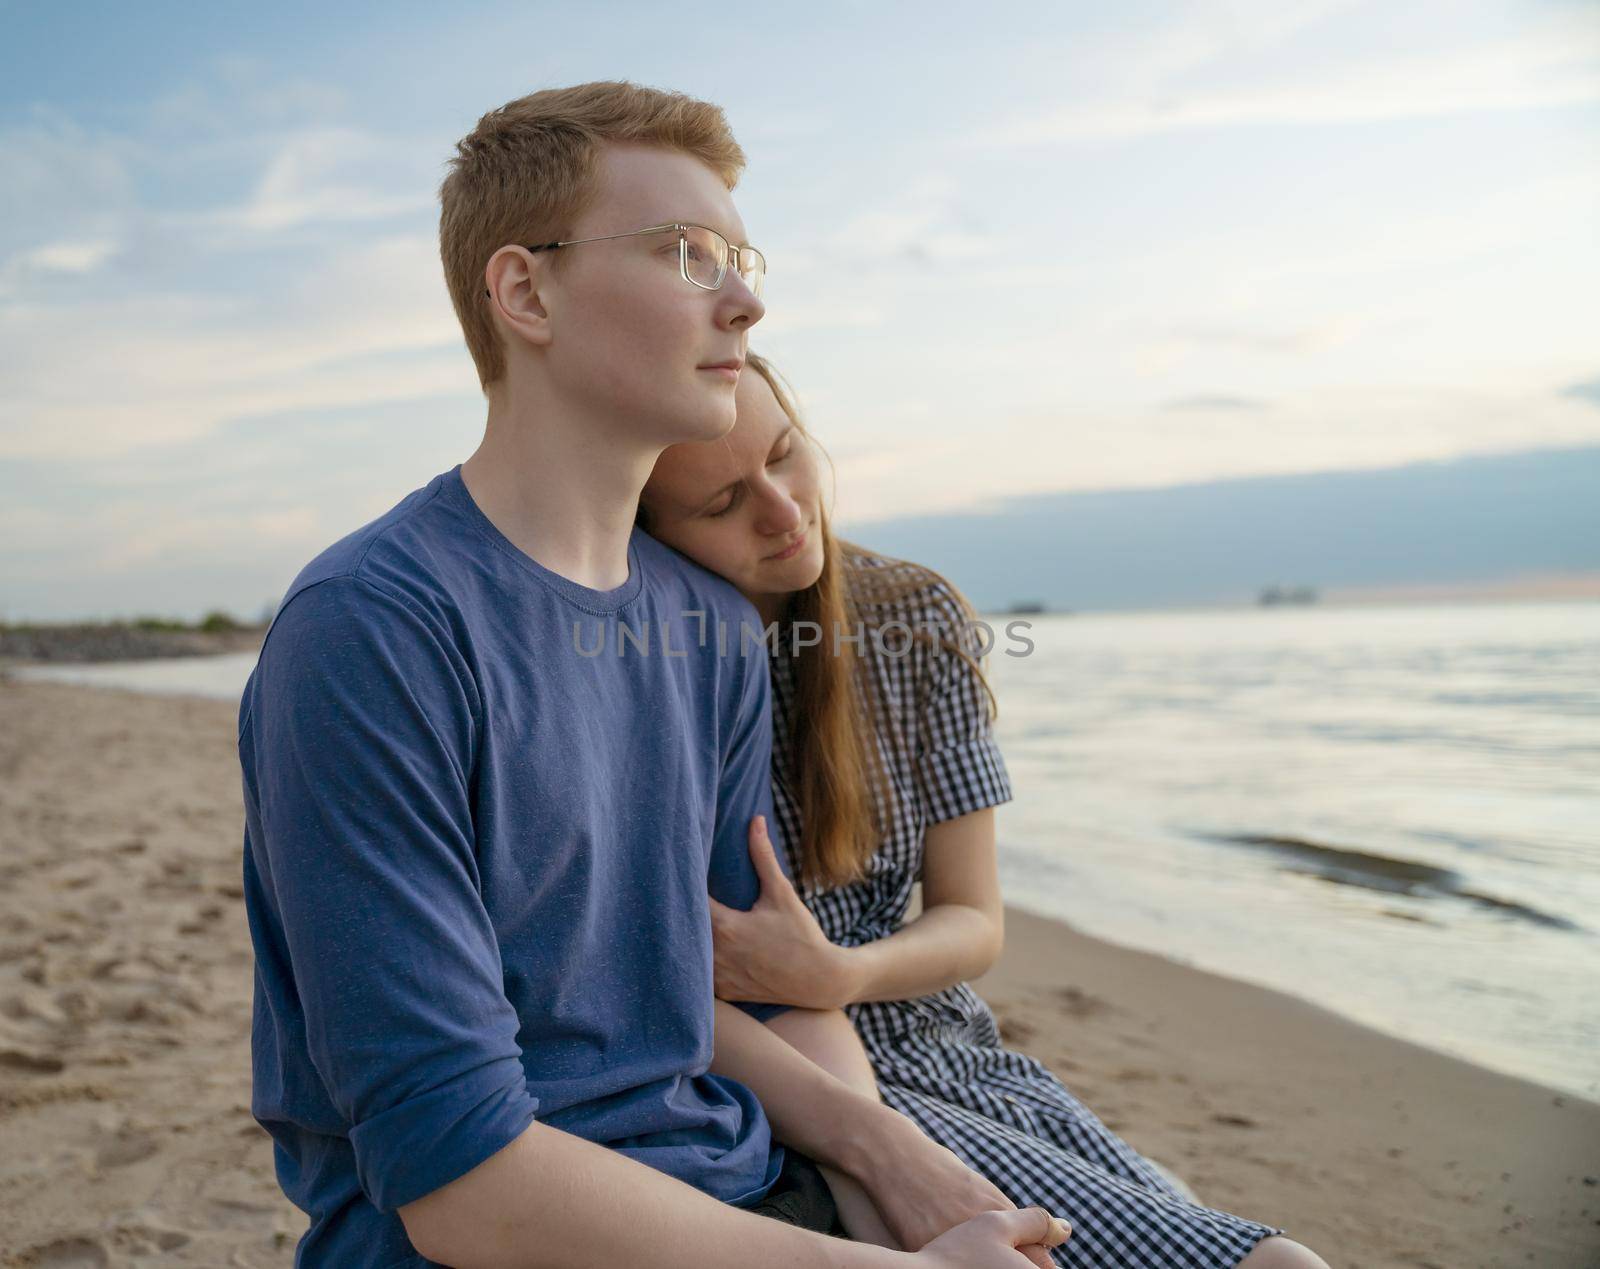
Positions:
{"x": 512, "y": 281}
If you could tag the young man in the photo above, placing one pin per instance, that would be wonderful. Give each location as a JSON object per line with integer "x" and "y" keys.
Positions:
{"x": 477, "y": 851}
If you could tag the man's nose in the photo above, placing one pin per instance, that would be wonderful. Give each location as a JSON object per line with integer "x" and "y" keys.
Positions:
{"x": 743, "y": 306}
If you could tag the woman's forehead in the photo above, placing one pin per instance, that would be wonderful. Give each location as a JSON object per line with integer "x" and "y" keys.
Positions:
{"x": 761, "y": 418}
{"x": 694, "y": 470}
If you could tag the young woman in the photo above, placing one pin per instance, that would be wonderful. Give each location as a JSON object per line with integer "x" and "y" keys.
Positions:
{"x": 885, "y": 772}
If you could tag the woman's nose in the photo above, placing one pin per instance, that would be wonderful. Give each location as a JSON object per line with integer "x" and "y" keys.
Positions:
{"x": 780, "y": 513}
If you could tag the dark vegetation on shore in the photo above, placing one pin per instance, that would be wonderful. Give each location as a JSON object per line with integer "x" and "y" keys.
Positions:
{"x": 130, "y": 640}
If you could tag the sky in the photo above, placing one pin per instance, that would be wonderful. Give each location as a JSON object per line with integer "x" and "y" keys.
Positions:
{"x": 1028, "y": 249}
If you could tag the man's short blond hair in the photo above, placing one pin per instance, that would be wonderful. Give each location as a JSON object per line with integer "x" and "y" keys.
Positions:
{"x": 527, "y": 172}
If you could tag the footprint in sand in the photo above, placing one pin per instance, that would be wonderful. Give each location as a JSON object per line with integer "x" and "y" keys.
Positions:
{"x": 32, "y": 1002}
{"x": 147, "y": 1011}
{"x": 1014, "y": 1030}
{"x": 32, "y": 1063}
{"x": 125, "y": 1148}
{"x": 141, "y": 1239}
{"x": 235, "y": 1213}
{"x": 66, "y": 1253}
{"x": 1079, "y": 1003}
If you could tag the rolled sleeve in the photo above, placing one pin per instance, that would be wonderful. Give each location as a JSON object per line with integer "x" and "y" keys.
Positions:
{"x": 363, "y": 730}
{"x": 431, "y": 1138}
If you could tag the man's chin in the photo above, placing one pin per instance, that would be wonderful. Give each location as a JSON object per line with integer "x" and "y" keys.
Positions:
{"x": 709, "y": 425}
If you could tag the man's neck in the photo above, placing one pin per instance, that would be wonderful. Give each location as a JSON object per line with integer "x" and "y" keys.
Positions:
{"x": 563, "y": 492}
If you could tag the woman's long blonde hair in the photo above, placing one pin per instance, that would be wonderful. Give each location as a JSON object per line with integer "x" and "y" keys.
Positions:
{"x": 846, "y": 800}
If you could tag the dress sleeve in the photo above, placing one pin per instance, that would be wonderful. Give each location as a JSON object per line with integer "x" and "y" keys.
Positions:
{"x": 358, "y": 746}
{"x": 959, "y": 763}
{"x": 744, "y": 791}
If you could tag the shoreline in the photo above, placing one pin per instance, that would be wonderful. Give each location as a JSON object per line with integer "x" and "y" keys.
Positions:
{"x": 96, "y": 643}
{"x": 125, "y": 989}
{"x": 1278, "y": 1109}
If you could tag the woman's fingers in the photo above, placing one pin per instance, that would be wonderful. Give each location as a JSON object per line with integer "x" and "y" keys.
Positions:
{"x": 1057, "y": 1231}
{"x": 997, "y": 1237}
{"x": 774, "y": 881}
{"x": 1032, "y": 1230}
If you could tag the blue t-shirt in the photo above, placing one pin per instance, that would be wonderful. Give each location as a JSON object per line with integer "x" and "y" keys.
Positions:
{"x": 484, "y": 806}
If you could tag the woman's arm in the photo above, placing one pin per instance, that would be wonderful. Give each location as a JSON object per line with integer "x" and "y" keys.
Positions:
{"x": 961, "y": 929}
{"x": 776, "y": 951}
{"x": 961, "y": 779}
{"x": 902, "y": 1188}
{"x": 828, "y": 1039}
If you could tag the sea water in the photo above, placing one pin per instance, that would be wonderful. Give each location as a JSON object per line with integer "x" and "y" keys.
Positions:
{"x": 1393, "y": 812}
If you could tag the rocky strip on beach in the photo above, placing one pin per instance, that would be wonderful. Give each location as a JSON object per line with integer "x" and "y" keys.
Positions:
{"x": 135, "y": 640}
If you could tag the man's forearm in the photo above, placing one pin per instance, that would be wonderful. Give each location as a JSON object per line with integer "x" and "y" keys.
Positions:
{"x": 808, "y": 1107}
{"x": 553, "y": 1200}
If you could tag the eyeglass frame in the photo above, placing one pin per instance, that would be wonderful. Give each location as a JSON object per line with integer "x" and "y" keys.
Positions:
{"x": 733, "y": 257}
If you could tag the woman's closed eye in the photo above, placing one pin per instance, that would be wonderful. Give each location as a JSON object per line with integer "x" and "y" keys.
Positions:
{"x": 737, "y": 492}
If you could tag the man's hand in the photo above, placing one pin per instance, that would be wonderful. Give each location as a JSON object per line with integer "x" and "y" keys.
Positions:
{"x": 776, "y": 952}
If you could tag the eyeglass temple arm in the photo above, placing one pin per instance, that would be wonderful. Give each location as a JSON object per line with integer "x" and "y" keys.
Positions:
{"x": 733, "y": 251}
{"x": 535, "y": 246}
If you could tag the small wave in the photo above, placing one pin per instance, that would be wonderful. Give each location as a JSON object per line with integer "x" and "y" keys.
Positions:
{"x": 1386, "y": 874}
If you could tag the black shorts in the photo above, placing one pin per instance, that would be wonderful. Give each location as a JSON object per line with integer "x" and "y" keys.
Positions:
{"x": 801, "y": 1197}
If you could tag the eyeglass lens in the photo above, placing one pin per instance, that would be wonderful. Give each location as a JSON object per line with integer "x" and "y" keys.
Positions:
{"x": 706, "y": 259}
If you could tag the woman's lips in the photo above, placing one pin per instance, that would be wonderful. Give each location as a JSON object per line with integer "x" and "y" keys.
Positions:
{"x": 727, "y": 372}
{"x": 788, "y": 552}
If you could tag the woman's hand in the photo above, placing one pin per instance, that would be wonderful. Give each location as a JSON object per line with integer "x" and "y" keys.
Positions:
{"x": 923, "y": 1190}
{"x": 999, "y": 1240}
{"x": 776, "y": 952}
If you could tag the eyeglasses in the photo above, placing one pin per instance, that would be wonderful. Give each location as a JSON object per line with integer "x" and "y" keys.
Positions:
{"x": 703, "y": 255}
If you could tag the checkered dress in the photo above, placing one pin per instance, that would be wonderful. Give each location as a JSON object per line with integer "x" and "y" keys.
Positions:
{"x": 938, "y": 1058}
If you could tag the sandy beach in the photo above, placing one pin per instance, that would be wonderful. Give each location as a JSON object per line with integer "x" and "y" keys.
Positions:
{"x": 125, "y": 987}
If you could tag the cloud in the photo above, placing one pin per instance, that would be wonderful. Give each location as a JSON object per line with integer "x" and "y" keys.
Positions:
{"x": 926, "y": 222}
{"x": 1110, "y": 446}
{"x": 1214, "y": 403}
{"x": 65, "y": 187}
{"x": 140, "y": 304}
{"x": 1301, "y": 341}
{"x": 67, "y": 257}
{"x": 1589, "y": 392}
{"x": 367, "y": 324}
{"x": 1556, "y": 63}
{"x": 332, "y": 174}
{"x": 207, "y": 168}
{"x": 49, "y": 261}
{"x": 235, "y": 93}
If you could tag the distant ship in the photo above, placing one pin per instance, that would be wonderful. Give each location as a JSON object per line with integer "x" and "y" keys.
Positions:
{"x": 1026, "y": 607}
{"x": 1275, "y": 594}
